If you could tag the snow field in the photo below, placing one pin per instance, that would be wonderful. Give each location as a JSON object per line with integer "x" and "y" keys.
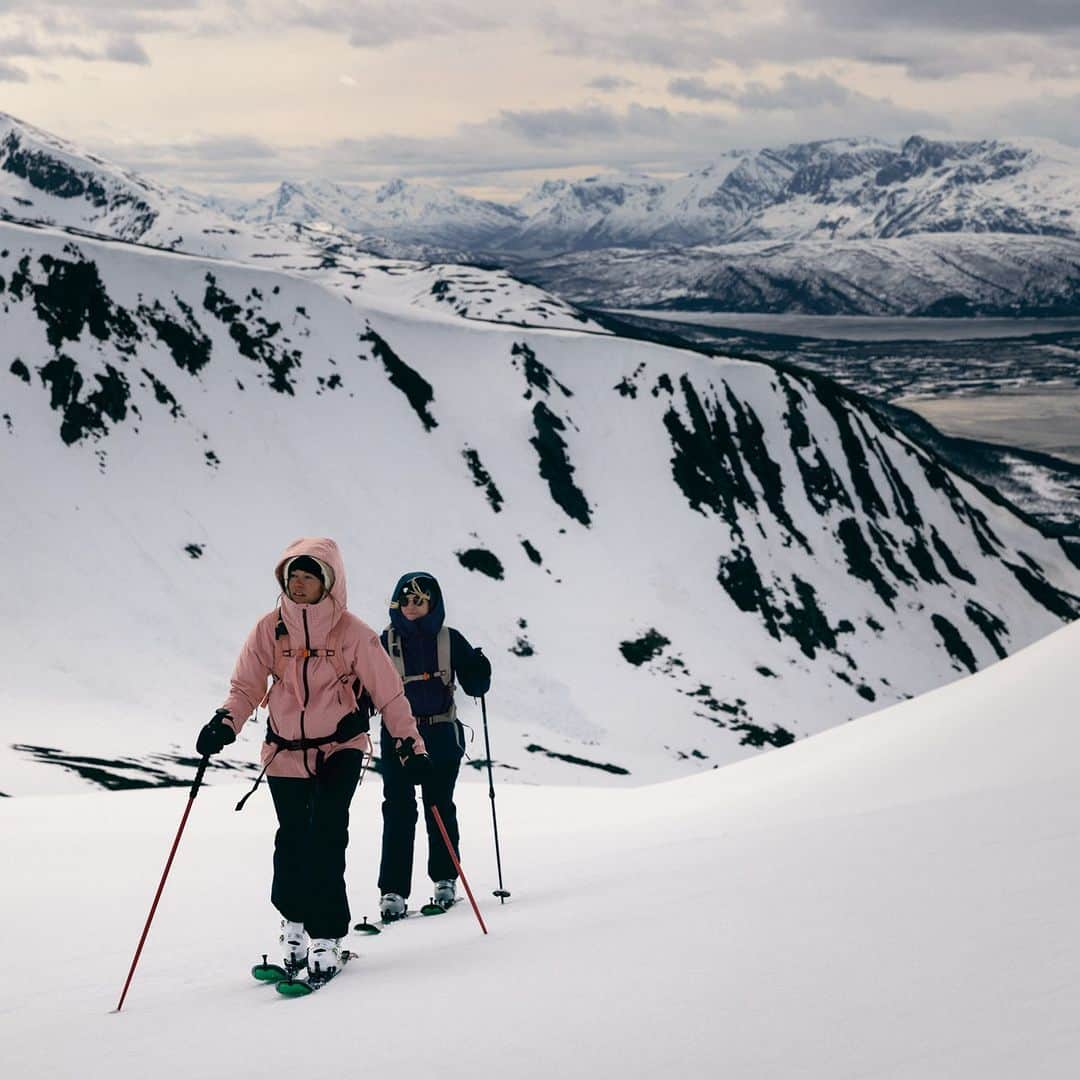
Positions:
{"x": 891, "y": 899}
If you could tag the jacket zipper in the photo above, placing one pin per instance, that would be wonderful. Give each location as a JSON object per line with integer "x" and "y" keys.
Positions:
{"x": 307, "y": 690}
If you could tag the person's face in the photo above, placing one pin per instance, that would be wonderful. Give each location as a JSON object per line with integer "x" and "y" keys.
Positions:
{"x": 413, "y": 608}
{"x": 304, "y": 588}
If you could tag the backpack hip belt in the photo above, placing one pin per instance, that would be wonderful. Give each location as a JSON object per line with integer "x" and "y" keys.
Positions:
{"x": 447, "y": 717}
{"x": 275, "y": 739}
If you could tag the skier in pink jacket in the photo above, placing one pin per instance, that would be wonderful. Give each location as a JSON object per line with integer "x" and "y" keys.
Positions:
{"x": 314, "y": 653}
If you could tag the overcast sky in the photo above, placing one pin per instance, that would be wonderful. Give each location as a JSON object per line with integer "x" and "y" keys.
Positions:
{"x": 233, "y": 96}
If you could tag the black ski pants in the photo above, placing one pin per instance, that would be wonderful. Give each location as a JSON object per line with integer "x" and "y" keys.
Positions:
{"x": 309, "y": 847}
{"x": 445, "y": 746}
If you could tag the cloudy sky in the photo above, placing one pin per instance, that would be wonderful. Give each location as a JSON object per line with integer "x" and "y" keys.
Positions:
{"x": 232, "y": 96}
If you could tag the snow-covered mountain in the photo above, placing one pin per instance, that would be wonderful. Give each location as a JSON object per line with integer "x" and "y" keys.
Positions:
{"x": 851, "y": 226}
{"x": 844, "y": 189}
{"x": 942, "y": 274}
{"x": 409, "y": 213}
{"x": 842, "y": 227}
{"x": 673, "y": 559}
{"x": 856, "y": 189}
{"x": 48, "y": 180}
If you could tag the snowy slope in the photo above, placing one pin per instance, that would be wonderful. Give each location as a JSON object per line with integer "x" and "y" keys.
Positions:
{"x": 673, "y": 560}
{"x": 894, "y": 898}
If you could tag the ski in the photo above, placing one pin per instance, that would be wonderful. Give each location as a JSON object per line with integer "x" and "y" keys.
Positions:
{"x": 294, "y": 988}
{"x": 272, "y": 973}
{"x": 284, "y": 976}
{"x": 378, "y": 927}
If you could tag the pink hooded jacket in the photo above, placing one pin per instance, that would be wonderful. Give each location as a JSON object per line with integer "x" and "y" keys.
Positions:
{"x": 309, "y": 700}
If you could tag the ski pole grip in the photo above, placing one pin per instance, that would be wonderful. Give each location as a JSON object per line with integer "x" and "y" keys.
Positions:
{"x": 200, "y": 773}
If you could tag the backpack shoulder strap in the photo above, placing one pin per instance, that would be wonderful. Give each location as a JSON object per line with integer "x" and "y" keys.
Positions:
{"x": 284, "y": 651}
{"x": 346, "y": 676}
{"x": 442, "y": 649}
{"x": 393, "y": 647}
{"x": 281, "y": 647}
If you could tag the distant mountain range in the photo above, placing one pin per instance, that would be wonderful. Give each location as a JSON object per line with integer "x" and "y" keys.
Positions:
{"x": 849, "y": 189}
{"x": 673, "y": 558}
{"x": 847, "y": 226}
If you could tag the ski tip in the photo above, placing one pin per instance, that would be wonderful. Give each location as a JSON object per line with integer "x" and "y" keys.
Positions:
{"x": 269, "y": 972}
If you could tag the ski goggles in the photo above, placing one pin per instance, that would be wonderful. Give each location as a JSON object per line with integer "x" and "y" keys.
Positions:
{"x": 412, "y": 592}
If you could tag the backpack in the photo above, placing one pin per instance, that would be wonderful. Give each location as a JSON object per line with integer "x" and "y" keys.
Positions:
{"x": 444, "y": 672}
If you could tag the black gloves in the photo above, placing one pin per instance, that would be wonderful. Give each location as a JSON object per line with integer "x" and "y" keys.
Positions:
{"x": 356, "y": 723}
{"x": 417, "y": 766}
{"x": 215, "y": 735}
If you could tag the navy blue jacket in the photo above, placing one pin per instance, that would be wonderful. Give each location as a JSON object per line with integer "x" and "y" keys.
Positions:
{"x": 419, "y": 650}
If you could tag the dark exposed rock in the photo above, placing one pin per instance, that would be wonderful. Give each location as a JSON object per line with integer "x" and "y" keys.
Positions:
{"x": 534, "y": 555}
{"x": 1064, "y": 605}
{"x": 555, "y": 465}
{"x": 412, "y": 384}
{"x": 573, "y": 759}
{"x": 482, "y": 479}
{"x": 537, "y": 375}
{"x": 189, "y": 346}
{"x": 163, "y": 395}
{"x": 707, "y": 465}
{"x": 954, "y": 642}
{"x": 483, "y": 561}
{"x": 645, "y": 648}
{"x": 993, "y": 629}
{"x": 860, "y": 559}
{"x": 254, "y": 337}
{"x": 84, "y": 416}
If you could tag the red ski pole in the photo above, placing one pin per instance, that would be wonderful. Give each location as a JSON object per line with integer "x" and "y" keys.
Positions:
{"x": 457, "y": 866}
{"x": 161, "y": 885}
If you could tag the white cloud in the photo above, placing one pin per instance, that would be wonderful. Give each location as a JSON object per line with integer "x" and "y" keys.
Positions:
{"x": 608, "y": 84}
{"x": 125, "y": 50}
{"x": 378, "y": 23}
{"x": 964, "y": 16}
{"x": 796, "y": 92}
{"x": 591, "y": 138}
{"x": 10, "y": 73}
{"x": 697, "y": 89}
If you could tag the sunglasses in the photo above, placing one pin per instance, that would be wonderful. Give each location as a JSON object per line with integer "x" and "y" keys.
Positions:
{"x": 412, "y": 599}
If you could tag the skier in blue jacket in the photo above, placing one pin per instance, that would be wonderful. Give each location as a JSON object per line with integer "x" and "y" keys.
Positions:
{"x": 429, "y": 656}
